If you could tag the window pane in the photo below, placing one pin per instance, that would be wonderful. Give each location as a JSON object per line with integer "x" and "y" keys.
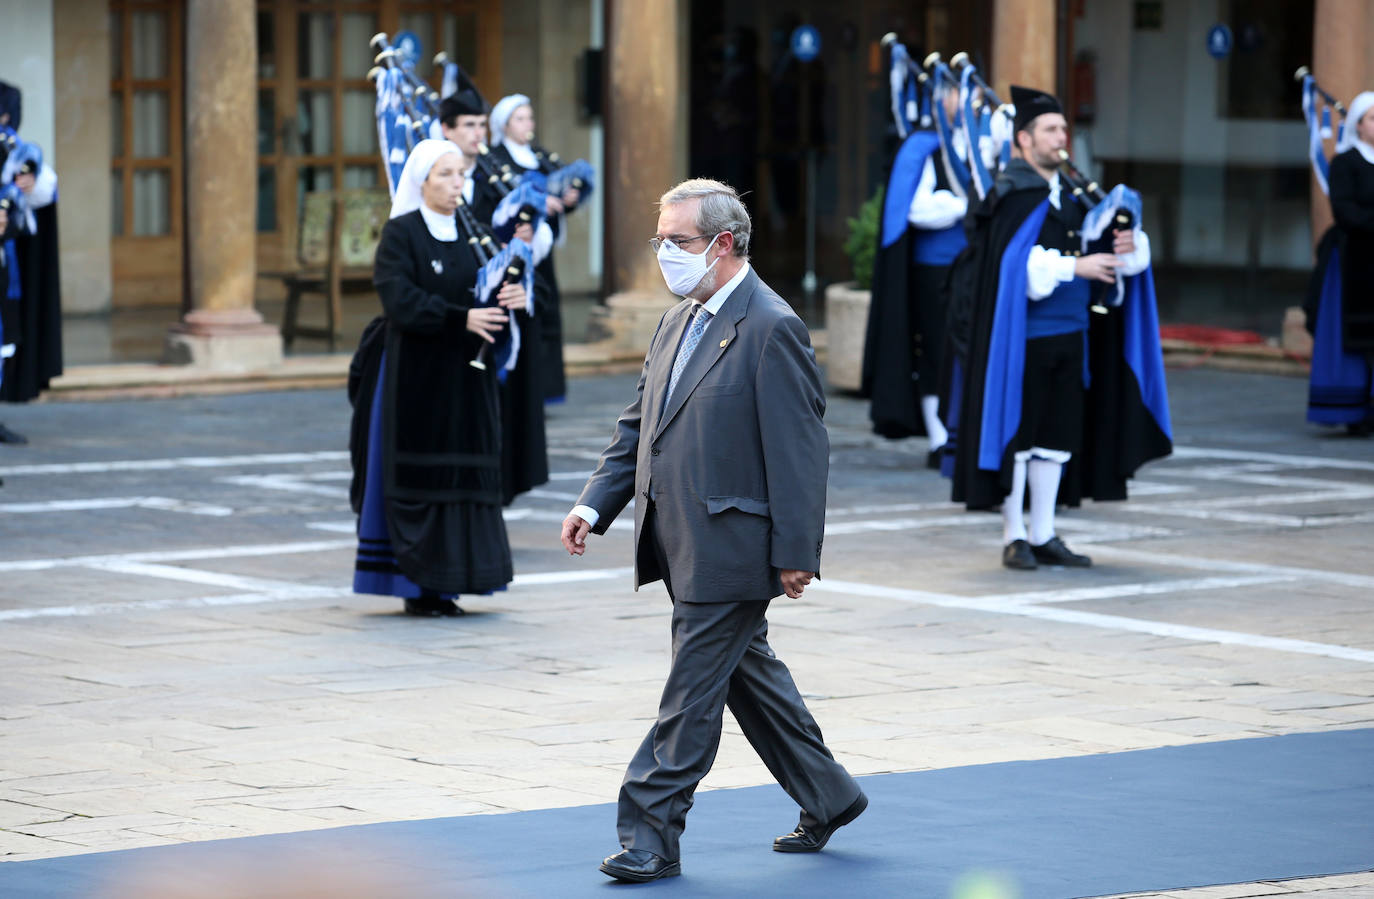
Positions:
{"x": 315, "y": 45}
{"x": 116, "y": 125}
{"x": 315, "y": 120}
{"x": 267, "y": 123}
{"x": 422, "y": 24}
{"x": 359, "y": 123}
{"x": 116, "y": 46}
{"x": 355, "y": 55}
{"x": 152, "y": 202}
{"x": 267, "y": 44}
{"x": 150, "y": 124}
{"x": 311, "y": 178}
{"x": 149, "y": 31}
{"x": 267, "y": 199}
{"x": 460, "y": 40}
{"x": 360, "y": 176}
{"x": 117, "y": 203}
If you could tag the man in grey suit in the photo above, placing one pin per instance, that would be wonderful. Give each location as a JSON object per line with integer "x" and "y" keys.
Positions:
{"x": 725, "y": 452}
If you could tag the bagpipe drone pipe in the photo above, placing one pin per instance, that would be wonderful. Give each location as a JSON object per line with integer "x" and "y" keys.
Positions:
{"x": 406, "y": 106}
{"x": 957, "y": 171}
{"x": 909, "y": 86}
{"x": 986, "y": 123}
{"x": 497, "y": 266}
{"x": 1316, "y": 108}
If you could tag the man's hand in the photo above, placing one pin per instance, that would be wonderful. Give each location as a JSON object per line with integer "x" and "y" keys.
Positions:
{"x": 575, "y": 531}
{"x": 794, "y": 582}
{"x": 1097, "y": 267}
{"x": 1123, "y": 242}
{"x": 24, "y": 181}
{"x": 553, "y": 205}
{"x": 570, "y": 197}
{"x": 525, "y": 231}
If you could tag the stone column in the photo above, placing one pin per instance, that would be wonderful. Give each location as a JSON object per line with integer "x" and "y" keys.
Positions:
{"x": 221, "y": 329}
{"x": 646, "y": 153}
{"x": 1342, "y": 39}
{"x": 1023, "y": 45}
{"x": 81, "y": 152}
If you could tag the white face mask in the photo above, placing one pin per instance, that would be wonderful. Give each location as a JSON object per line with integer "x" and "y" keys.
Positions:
{"x": 683, "y": 270}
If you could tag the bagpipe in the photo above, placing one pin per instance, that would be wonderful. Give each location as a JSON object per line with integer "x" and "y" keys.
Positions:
{"x": 1316, "y": 108}
{"x": 17, "y": 157}
{"x": 405, "y": 108}
{"x": 908, "y": 85}
{"x": 958, "y": 172}
{"x": 986, "y": 121}
{"x": 497, "y": 266}
{"x": 1106, "y": 212}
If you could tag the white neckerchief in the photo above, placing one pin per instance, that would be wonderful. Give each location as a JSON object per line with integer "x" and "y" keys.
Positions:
{"x": 441, "y": 227}
{"x": 723, "y": 292}
{"x": 1054, "y": 190}
{"x": 522, "y": 154}
{"x": 467, "y": 183}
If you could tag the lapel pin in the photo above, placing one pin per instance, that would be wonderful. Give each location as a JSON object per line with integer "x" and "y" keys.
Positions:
{"x": 438, "y": 266}
{"x": 724, "y": 342}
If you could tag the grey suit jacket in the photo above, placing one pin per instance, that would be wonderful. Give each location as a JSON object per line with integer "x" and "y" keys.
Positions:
{"x": 737, "y": 461}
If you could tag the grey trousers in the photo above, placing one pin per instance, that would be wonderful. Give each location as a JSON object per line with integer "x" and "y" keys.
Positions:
{"x": 721, "y": 657}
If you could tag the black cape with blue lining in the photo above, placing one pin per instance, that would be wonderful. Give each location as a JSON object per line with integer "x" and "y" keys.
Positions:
{"x": 1126, "y": 420}
{"x": 888, "y": 365}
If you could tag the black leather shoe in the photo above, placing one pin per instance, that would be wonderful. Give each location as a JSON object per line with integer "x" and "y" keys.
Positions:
{"x": 639, "y": 866}
{"x": 1054, "y": 552}
{"x": 933, "y": 458}
{"x": 807, "y": 839}
{"x": 1017, "y": 554}
{"x": 8, "y": 436}
{"x": 433, "y": 607}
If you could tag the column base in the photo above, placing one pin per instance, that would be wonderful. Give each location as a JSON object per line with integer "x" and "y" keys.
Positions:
{"x": 629, "y": 319}
{"x": 232, "y": 340}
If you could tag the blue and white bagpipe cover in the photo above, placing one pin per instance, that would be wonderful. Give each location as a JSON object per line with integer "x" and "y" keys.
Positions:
{"x": 987, "y": 135}
{"x": 956, "y": 172}
{"x": 910, "y": 98}
{"x": 1318, "y": 118}
{"x": 395, "y": 134}
{"x": 1099, "y": 221}
{"x": 529, "y": 193}
{"x": 490, "y": 277}
{"x": 577, "y": 175}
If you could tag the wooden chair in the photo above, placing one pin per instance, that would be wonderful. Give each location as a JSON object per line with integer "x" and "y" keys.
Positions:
{"x": 339, "y": 231}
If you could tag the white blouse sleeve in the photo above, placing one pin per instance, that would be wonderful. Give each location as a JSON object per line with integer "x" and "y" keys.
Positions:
{"x": 1045, "y": 270}
{"x": 931, "y": 209}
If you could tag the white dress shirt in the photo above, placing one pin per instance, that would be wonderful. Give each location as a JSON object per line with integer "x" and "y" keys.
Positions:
{"x": 712, "y": 305}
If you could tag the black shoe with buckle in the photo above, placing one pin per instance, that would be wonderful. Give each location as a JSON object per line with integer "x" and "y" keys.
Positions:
{"x": 1017, "y": 554}
{"x": 8, "y": 436}
{"x": 639, "y": 866}
{"x": 1054, "y": 552}
{"x": 813, "y": 839}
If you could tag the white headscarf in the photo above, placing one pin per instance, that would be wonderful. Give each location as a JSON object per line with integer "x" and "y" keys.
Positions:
{"x": 501, "y": 113}
{"x": 1358, "y": 107}
{"x": 408, "y": 187}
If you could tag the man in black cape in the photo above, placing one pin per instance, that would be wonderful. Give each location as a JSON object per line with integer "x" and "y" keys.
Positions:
{"x": 1027, "y": 417}
{"x": 524, "y": 446}
{"x": 920, "y": 234}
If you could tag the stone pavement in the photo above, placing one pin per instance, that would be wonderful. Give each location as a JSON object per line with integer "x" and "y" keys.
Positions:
{"x": 184, "y": 660}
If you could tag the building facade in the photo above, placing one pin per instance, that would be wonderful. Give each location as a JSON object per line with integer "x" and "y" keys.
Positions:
{"x": 165, "y": 132}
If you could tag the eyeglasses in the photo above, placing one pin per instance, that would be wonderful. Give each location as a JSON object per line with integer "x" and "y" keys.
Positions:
{"x": 656, "y": 242}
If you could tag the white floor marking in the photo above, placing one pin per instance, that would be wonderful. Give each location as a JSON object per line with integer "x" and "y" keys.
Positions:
{"x": 1202, "y": 452}
{"x": 162, "y": 503}
{"x": 175, "y": 462}
{"x": 286, "y": 482}
{"x": 1002, "y": 606}
{"x": 180, "y": 555}
{"x": 283, "y": 593}
{"x": 1174, "y": 560}
{"x": 200, "y": 576}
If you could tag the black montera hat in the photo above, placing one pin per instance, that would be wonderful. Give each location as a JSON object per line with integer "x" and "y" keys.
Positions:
{"x": 466, "y": 100}
{"x": 1030, "y": 103}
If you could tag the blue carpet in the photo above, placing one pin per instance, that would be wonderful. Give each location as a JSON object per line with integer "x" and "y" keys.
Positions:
{"x": 1239, "y": 811}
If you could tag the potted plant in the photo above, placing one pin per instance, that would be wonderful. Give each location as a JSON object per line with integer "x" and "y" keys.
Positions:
{"x": 846, "y": 303}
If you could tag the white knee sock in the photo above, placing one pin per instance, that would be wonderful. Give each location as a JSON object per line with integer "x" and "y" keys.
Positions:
{"x": 930, "y": 411}
{"x": 1044, "y": 478}
{"x": 1013, "y": 516}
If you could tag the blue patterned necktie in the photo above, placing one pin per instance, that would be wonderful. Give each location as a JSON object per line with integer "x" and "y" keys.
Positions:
{"x": 689, "y": 343}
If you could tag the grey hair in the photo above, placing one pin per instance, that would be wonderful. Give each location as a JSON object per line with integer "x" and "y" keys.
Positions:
{"x": 720, "y": 209}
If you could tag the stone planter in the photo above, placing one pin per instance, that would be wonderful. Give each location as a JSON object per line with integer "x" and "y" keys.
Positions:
{"x": 846, "y": 322}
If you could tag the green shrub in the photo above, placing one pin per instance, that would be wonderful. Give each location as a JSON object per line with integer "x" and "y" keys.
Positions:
{"x": 862, "y": 244}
